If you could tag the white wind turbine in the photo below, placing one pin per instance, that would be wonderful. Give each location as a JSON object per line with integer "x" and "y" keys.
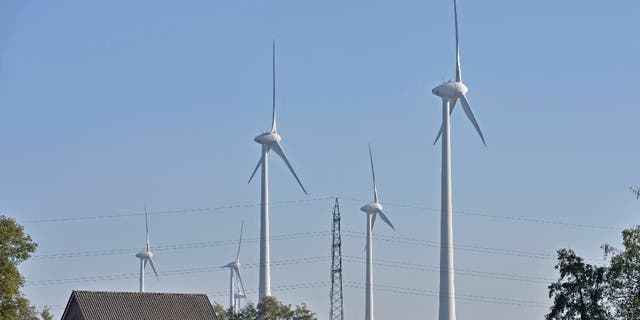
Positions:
{"x": 146, "y": 255}
{"x": 372, "y": 210}
{"x": 450, "y": 92}
{"x": 270, "y": 140}
{"x": 236, "y": 283}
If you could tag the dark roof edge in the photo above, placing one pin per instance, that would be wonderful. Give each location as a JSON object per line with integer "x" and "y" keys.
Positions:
{"x": 66, "y": 308}
{"x": 215, "y": 315}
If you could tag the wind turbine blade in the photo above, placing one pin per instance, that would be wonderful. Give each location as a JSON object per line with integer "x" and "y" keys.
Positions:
{"x": 438, "y": 136}
{"x": 244, "y": 293}
{"x": 373, "y": 174}
{"x": 240, "y": 242}
{"x": 154, "y": 268}
{"x": 277, "y": 148}
{"x": 385, "y": 219}
{"x": 146, "y": 224}
{"x": 458, "y": 71}
{"x": 256, "y": 169}
{"x": 472, "y": 118}
{"x": 273, "y": 115}
{"x": 453, "y": 105}
{"x": 373, "y": 220}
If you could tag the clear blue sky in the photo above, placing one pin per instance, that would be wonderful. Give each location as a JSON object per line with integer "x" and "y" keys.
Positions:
{"x": 106, "y": 107}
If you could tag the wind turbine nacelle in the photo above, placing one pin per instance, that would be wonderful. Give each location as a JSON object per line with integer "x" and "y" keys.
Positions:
{"x": 450, "y": 90}
{"x": 268, "y": 138}
{"x": 144, "y": 255}
{"x": 371, "y": 207}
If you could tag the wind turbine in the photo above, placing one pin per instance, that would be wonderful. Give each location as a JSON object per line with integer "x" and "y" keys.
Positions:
{"x": 372, "y": 210}
{"x": 270, "y": 140}
{"x": 146, "y": 255}
{"x": 450, "y": 92}
{"x": 234, "y": 269}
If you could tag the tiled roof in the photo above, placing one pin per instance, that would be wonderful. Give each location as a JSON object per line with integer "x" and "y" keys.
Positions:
{"x": 96, "y": 305}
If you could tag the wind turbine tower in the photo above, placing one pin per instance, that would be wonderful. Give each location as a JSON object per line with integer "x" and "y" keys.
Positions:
{"x": 269, "y": 140}
{"x": 372, "y": 209}
{"x": 146, "y": 256}
{"x": 450, "y": 92}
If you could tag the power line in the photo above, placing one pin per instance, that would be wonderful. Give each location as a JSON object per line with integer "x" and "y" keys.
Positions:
{"x": 498, "y": 217}
{"x": 175, "y": 272}
{"x": 294, "y": 261}
{"x": 211, "y": 210}
{"x": 394, "y": 290}
{"x": 305, "y": 235}
{"x": 435, "y": 293}
{"x": 459, "y": 271}
{"x": 410, "y": 291}
{"x": 353, "y": 234}
{"x": 406, "y": 291}
{"x": 461, "y": 247}
{"x": 297, "y": 286}
{"x": 171, "y": 212}
{"x": 389, "y": 289}
{"x": 304, "y": 285}
{"x": 75, "y": 254}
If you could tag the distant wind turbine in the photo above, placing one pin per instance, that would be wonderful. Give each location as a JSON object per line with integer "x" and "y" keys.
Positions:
{"x": 236, "y": 283}
{"x": 146, "y": 255}
{"x": 372, "y": 210}
{"x": 450, "y": 92}
{"x": 270, "y": 140}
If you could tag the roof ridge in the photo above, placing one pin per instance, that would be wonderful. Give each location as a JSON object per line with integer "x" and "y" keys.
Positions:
{"x": 133, "y": 292}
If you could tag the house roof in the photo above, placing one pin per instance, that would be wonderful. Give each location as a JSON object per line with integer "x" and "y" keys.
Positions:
{"x": 96, "y": 305}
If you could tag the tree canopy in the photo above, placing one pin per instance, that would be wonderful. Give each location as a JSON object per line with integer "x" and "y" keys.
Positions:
{"x": 611, "y": 291}
{"x": 624, "y": 276}
{"x": 268, "y": 309}
{"x": 579, "y": 293}
{"x": 15, "y": 247}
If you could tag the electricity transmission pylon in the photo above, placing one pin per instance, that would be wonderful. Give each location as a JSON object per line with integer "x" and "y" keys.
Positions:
{"x": 336, "y": 297}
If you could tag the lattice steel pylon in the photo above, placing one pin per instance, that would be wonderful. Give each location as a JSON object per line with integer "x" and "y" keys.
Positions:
{"x": 336, "y": 312}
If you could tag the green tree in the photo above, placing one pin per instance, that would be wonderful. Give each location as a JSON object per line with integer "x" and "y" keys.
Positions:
{"x": 45, "y": 314}
{"x": 268, "y": 309}
{"x": 220, "y": 311}
{"x": 25, "y": 311}
{"x": 624, "y": 276}
{"x": 586, "y": 291}
{"x": 303, "y": 313}
{"x": 579, "y": 293}
{"x": 271, "y": 309}
{"x": 15, "y": 247}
